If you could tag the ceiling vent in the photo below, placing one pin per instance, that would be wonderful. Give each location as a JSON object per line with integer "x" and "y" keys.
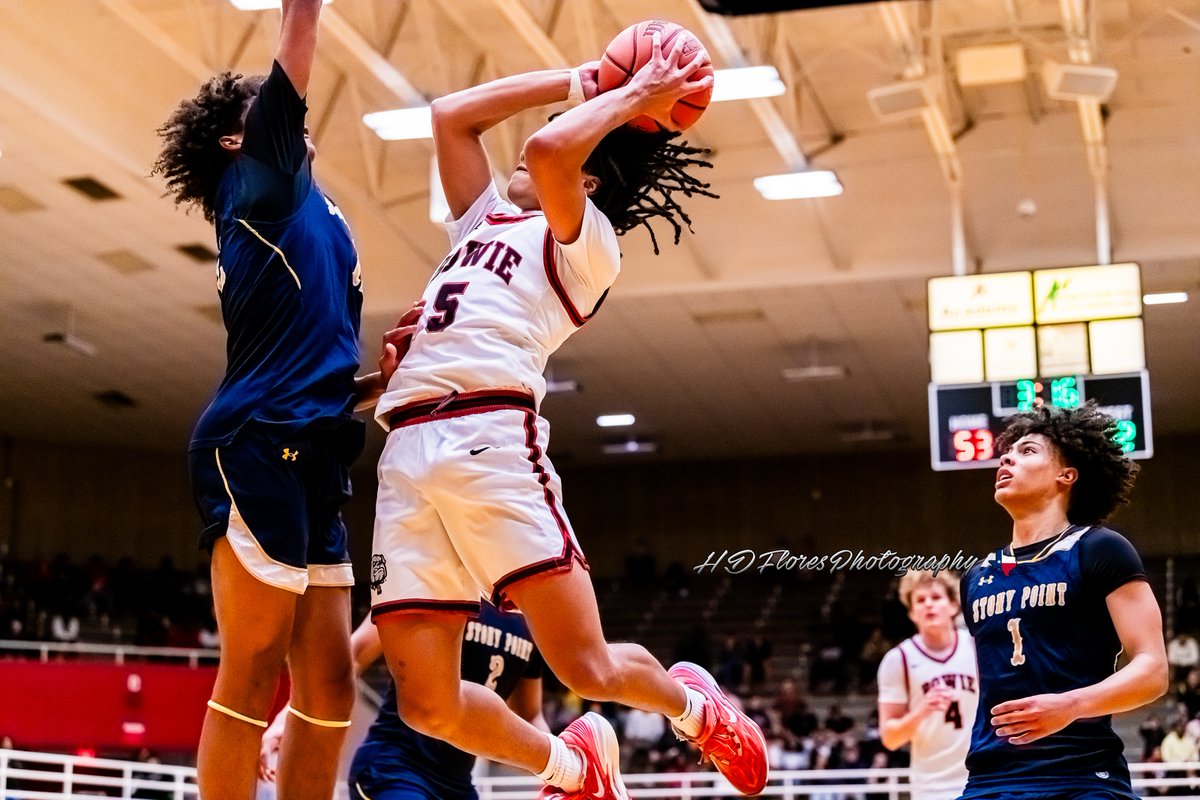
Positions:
{"x": 125, "y": 262}
{"x": 91, "y": 188}
{"x": 14, "y": 201}
{"x": 198, "y": 252}
{"x": 113, "y": 398}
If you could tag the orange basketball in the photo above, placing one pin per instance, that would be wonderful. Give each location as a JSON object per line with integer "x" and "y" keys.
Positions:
{"x": 631, "y": 50}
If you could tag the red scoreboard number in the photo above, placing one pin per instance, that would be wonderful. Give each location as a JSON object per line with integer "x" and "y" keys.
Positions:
{"x": 974, "y": 445}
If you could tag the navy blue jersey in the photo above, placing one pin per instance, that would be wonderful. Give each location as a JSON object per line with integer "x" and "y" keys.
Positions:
{"x": 288, "y": 278}
{"x": 1045, "y": 628}
{"x": 498, "y": 653}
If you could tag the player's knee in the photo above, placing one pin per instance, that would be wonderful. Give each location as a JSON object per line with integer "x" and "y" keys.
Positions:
{"x": 420, "y": 713}
{"x": 261, "y": 656}
{"x": 590, "y": 678}
{"x": 327, "y": 689}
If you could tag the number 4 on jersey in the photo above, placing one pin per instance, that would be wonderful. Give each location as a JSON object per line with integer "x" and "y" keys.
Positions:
{"x": 445, "y": 307}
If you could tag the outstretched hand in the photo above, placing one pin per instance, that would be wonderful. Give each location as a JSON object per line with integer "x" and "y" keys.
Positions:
{"x": 397, "y": 340}
{"x": 664, "y": 80}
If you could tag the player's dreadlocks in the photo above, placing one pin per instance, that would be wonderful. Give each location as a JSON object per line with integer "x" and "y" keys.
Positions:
{"x": 1084, "y": 437}
{"x": 192, "y": 159}
{"x": 639, "y": 175}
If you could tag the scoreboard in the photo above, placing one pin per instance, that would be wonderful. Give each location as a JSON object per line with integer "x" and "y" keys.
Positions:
{"x": 1080, "y": 327}
{"x": 966, "y": 420}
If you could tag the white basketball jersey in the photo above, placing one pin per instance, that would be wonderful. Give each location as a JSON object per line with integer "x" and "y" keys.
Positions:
{"x": 505, "y": 298}
{"x": 939, "y": 747}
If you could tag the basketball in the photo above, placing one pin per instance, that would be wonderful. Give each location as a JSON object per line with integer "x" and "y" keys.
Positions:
{"x": 631, "y": 50}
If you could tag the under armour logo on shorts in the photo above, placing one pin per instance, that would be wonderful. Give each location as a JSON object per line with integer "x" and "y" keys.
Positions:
{"x": 289, "y": 454}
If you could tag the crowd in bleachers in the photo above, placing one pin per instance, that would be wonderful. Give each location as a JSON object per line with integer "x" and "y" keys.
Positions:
{"x": 58, "y": 600}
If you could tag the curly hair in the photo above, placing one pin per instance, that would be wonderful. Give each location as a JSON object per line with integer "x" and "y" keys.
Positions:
{"x": 1084, "y": 438}
{"x": 192, "y": 159}
{"x": 639, "y": 175}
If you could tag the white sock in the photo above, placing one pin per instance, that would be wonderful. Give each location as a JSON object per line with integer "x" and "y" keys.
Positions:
{"x": 564, "y": 770}
{"x": 691, "y": 721}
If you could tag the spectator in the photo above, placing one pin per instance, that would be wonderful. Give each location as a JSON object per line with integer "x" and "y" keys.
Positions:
{"x": 64, "y": 629}
{"x": 795, "y": 717}
{"x": 1152, "y": 733}
{"x": 1179, "y": 748}
{"x": 1183, "y": 654}
{"x": 731, "y": 665}
{"x": 640, "y": 564}
{"x": 837, "y": 721}
{"x": 694, "y": 646}
{"x": 873, "y": 651}
{"x": 1189, "y": 693}
{"x": 758, "y": 653}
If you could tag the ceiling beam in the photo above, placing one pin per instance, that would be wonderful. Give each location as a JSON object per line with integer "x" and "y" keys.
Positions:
{"x": 532, "y": 34}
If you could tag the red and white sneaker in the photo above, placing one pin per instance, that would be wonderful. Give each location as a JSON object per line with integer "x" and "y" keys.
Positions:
{"x": 729, "y": 739}
{"x": 594, "y": 739}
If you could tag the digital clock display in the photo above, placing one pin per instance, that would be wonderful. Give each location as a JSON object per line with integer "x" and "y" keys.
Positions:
{"x": 966, "y": 421}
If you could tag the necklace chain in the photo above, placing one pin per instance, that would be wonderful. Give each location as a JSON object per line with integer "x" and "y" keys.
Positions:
{"x": 1012, "y": 553}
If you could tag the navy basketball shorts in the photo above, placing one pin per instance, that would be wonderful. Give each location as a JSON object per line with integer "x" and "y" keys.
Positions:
{"x": 467, "y": 506}
{"x": 407, "y": 786}
{"x": 277, "y": 500}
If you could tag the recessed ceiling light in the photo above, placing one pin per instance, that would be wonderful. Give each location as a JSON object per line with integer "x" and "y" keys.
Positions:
{"x": 1164, "y": 298}
{"x": 799, "y": 185}
{"x": 814, "y": 372}
{"x": 744, "y": 83}
{"x": 615, "y": 420}
{"x": 401, "y": 123}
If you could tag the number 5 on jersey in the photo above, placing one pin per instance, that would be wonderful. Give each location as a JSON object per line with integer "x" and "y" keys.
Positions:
{"x": 445, "y": 307}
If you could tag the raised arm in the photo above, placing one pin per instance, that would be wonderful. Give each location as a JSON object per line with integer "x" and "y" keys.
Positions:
{"x": 298, "y": 41}
{"x": 459, "y": 120}
{"x": 555, "y": 155}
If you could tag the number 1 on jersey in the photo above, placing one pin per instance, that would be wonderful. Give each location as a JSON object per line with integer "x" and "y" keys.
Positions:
{"x": 445, "y": 307}
{"x": 1018, "y": 656}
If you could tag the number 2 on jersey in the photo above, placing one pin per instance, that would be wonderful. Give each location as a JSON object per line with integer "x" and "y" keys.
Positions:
{"x": 445, "y": 307}
{"x": 495, "y": 667}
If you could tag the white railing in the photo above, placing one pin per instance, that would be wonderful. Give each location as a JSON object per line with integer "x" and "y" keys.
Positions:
{"x": 41, "y": 776}
{"x": 31, "y": 775}
{"x": 117, "y": 652}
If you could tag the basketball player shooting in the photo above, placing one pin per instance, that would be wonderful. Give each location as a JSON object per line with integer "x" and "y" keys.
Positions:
{"x": 468, "y": 503}
{"x": 929, "y": 688}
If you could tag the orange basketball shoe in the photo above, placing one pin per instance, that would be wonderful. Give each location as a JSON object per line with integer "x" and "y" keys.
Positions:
{"x": 729, "y": 739}
{"x": 593, "y": 738}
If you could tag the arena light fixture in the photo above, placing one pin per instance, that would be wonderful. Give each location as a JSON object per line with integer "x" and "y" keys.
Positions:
{"x": 615, "y": 420}
{"x": 1164, "y": 298}
{"x": 628, "y": 447}
{"x": 745, "y": 83}
{"x": 261, "y": 5}
{"x": 799, "y": 185}
{"x": 401, "y": 123}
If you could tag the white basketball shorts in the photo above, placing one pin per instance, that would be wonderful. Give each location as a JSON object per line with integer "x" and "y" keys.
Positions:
{"x": 468, "y": 505}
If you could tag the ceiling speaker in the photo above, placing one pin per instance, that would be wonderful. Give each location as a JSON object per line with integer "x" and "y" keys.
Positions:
{"x": 900, "y": 100}
{"x": 1078, "y": 81}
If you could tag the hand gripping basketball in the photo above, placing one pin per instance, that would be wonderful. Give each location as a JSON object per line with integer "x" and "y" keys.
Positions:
{"x": 678, "y": 73}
